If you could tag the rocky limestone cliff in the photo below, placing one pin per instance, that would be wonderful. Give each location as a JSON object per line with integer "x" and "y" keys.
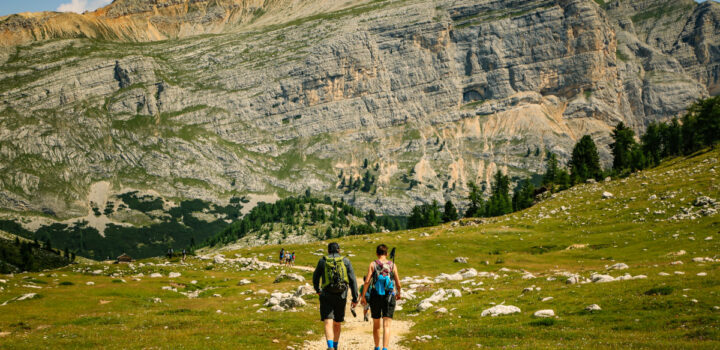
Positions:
{"x": 433, "y": 94}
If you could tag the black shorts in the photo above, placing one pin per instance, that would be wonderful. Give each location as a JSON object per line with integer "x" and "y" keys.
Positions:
{"x": 332, "y": 306}
{"x": 382, "y": 306}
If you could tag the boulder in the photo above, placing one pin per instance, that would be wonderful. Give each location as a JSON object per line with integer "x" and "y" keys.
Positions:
{"x": 289, "y": 277}
{"x": 292, "y": 302}
{"x": 499, "y": 310}
{"x": 219, "y": 259}
{"x": 544, "y": 313}
{"x": 461, "y": 260}
{"x": 424, "y": 305}
{"x": 155, "y": 275}
{"x": 174, "y": 274}
{"x": 304, "y": 290}
{"x": 441, "y": 310}
{"x": 593, "y": 307}
{"x": 619, "y": 266}
{"x": 468, "y": 273}
{"x": 607, "y": 195}
{"x": 243, "y": 282}
{"x": 598, "y": 278}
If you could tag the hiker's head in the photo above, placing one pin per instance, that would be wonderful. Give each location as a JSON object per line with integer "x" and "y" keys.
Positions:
{"x": 381, "y": 250}
{"x": 333, "y": 248}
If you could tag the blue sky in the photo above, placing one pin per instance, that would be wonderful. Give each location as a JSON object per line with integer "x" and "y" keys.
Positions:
{"x": 14, "y": 6}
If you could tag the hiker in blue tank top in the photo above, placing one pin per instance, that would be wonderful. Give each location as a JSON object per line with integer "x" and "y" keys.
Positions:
{"x": 383, "y": 282}
{"x": 337, "y": 277}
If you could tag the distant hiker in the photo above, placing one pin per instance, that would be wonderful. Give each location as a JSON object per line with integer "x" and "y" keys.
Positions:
{"x": 383, "y": 283}
{"x": 184, "y": 254}
{"x": 282, "y": 255}
{"x": 292, "y": 259}
{"x": 337, "y": 275}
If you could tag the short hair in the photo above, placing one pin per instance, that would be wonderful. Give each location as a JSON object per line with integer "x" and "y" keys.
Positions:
{"x": 333, "y": 248}
{"x": 381, "y": 250}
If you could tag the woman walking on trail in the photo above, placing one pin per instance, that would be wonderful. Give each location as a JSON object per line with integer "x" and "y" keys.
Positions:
{"x": 383, "y": 282}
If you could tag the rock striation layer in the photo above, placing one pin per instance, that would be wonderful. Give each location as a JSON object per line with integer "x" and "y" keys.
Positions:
{"x": 280, "y": 96}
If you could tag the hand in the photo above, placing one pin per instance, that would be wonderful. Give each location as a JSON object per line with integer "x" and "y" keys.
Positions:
{"x": 319, "y": 293}
{"x": 363, "y": 301}
{"x": 353, "y": 304}
{"x": 398, "y": 296}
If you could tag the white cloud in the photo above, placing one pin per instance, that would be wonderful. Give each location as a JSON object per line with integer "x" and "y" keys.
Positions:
{"x": 80, "y": 6}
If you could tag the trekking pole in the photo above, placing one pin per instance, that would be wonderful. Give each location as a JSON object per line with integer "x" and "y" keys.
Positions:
{"x": 392, "y": 255}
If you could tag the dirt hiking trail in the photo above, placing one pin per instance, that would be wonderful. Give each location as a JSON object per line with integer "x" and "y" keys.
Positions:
{"x": 357, "y": 334}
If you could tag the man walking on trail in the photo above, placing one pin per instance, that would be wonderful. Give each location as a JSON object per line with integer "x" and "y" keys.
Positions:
{"x": 282, "y": 254}
{"x": 384, "y": 283}
{"x": 337, "y": 276}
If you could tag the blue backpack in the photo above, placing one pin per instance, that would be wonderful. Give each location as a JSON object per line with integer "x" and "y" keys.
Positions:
{"x": 384, "y": 282}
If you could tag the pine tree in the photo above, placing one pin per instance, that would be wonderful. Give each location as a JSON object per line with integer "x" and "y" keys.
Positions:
{"x": 585, "y": 161}
{"x": 551, "y": 170}
{"x": 476, "y": 201}
{"x": 673, "y": 138}
{"x": 652, "y": 143}
{"x": 416, "y": 218}
{"x": 500, "y": 202}
{"x": 624, "y": 140}
{"x": 524, "y": 195}
{"x": 450, "y": 213}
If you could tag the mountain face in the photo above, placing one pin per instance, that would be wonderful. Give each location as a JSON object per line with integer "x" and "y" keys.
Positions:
{"x": 386, "y": 103}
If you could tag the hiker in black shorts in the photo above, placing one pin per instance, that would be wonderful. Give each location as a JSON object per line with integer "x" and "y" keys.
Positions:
{"x": 337, "y": 275}
{"x": 384, "y": 283}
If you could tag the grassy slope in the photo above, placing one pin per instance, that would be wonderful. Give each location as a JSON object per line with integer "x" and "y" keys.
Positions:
{"x": 72, "y": 316}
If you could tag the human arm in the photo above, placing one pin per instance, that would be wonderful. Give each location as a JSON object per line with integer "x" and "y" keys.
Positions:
{"x": 366, "y": 283}
{"x": 352, "y": 280}
{"x": 317, "y": 274}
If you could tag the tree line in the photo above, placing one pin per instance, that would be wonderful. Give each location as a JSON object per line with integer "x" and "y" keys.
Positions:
{"x": 699, "y": 128}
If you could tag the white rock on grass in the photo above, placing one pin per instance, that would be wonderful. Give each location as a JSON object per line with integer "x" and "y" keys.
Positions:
{"x": 155, "y": 275}
{"x": 544, "y": 313}
{"x": 593, "y": 307}
{"x": 528, "y": 276}
{"x": 702, "y": 274}
{"x": 461, "y": 260}
{"x": 219, "y": 259}
{"x": 663, "y": 274}
{"x": 289, "y": 277}
{"x": 441, "y": 310}
{"x": 423, "y": 306}
{"x": 607, "y": 195}
{"x": 304, "y": 290}
{"x": 499, "y": 310}
{"x": 243, "y": 282}
{"x": 573, "y": 280}
{"x": 546, "y": 299}
{"x": 90, "y": 283}
{"x": 468, "y": 273}
{"x": 619, "y": 266}
{"x": 174, "y": 274}
{"x": 598, "y": 278}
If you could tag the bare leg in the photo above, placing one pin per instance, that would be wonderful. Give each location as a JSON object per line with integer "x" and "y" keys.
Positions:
{"x": 376, "y": 331}
{"x": 386, "y": 331}
{"x": 336, "y": 329}
{"x": 329, "y": 329}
